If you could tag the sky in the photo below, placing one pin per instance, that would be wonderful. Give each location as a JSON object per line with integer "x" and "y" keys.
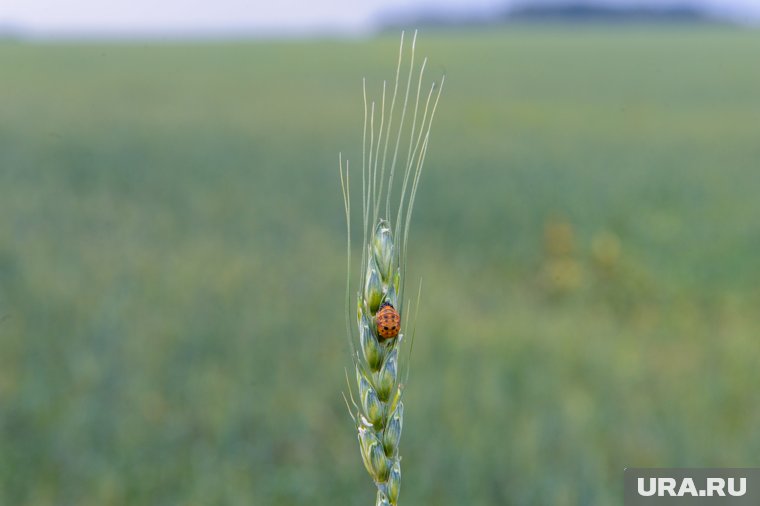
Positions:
{"x": 266, "y": 17}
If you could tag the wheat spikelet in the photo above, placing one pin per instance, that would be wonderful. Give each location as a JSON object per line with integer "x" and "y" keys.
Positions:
{"x": 379, "y": 410}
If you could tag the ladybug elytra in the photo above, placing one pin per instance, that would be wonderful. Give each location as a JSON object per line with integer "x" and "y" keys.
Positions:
{"x": 388, "y": 321}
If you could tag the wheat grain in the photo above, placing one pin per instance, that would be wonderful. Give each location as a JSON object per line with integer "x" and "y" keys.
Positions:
{"x": 379, "y": 411}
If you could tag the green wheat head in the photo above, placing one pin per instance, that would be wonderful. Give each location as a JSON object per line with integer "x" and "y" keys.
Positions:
{"x": 379, "y": 411}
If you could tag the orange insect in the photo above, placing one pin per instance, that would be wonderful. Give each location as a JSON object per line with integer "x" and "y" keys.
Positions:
{"x": 388, "y": 321}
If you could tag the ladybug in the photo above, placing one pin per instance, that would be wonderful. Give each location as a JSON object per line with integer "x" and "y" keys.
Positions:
{"x": 388, "y": 321}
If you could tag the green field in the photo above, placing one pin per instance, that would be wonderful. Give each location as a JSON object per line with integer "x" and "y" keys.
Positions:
{"x": 172, "y": 267}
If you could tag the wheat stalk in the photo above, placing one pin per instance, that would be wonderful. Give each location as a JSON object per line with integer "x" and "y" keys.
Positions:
{"x": 379, "y": 412}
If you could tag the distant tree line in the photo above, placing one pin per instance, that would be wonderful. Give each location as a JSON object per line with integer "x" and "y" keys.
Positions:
{"x": 563, "y": 12}
{"x": 588, "y": 11}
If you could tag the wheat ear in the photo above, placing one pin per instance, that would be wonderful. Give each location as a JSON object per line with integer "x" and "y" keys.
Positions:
{"x": 379, "y": 411}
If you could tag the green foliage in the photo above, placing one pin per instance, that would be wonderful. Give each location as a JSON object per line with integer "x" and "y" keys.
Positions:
{"x": 172, "y": 248}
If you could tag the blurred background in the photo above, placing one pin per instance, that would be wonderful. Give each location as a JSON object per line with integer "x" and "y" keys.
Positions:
{"x": 172, "y": 248}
